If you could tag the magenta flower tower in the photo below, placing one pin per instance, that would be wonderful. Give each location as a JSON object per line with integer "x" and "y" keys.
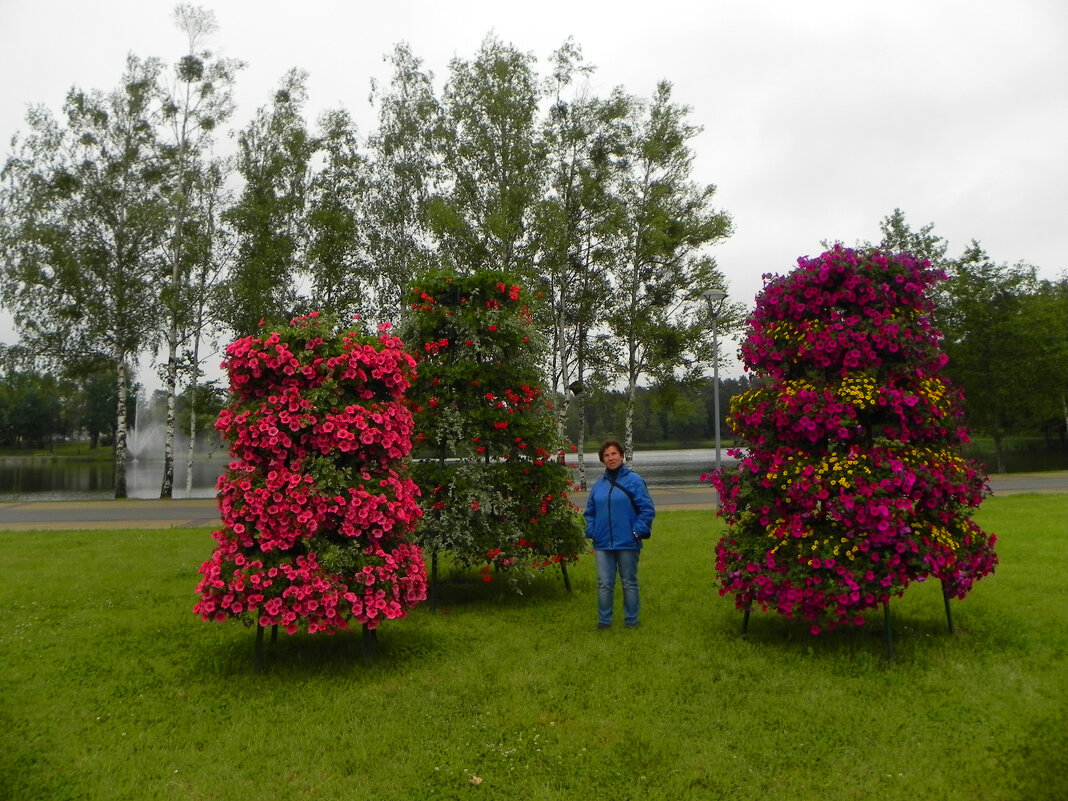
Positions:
{"x": 317, "y": 506}
{"x": 849, "y": 486}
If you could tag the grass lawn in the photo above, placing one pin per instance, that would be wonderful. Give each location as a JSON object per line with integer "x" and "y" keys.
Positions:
{"x": 112, "y": 689}
{"x": 73, "y": 451}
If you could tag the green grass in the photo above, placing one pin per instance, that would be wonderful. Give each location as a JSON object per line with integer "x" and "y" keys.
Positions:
{"x": 65, "y": 451}
{"x": 113, "y": 689}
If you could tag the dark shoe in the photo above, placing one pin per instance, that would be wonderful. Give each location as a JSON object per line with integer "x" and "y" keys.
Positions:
{"x": 603, "y": 626}
{"x": 632, "y": 625}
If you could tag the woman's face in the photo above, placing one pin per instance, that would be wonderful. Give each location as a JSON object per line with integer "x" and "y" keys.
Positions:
{"x": 612, "y": 458}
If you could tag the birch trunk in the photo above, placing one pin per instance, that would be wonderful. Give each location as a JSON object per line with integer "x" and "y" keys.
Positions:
{"x": 191, "y": 451}
{"x": 120, "y": 429}
{"x": 628, "y": 437}
{"x": 581, "y": 443}
{"x": 171, "y": 385}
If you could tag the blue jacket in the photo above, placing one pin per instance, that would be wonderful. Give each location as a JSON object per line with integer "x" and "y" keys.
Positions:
{"x": 611, "y": 519}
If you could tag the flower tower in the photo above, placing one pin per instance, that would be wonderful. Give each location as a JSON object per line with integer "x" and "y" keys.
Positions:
{"x": 317, "y": 507}
{"x": 492, "y": 493}
{"x": 849, "y": 486}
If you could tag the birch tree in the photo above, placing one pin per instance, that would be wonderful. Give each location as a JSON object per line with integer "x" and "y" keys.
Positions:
{"x": 656, "y": 316}
{"x": 342, "y": 278}
{"x": 82, "y": 228}
{"x": 269, "y": 219}
{"x": 198, "y": 98}
{"x": 405, "y": 171}
{"x": 492, "y": 160}
{"x": 584, "y": 140}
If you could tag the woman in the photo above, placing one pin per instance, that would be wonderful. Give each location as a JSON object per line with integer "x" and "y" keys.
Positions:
{"x": 619, "y": 515}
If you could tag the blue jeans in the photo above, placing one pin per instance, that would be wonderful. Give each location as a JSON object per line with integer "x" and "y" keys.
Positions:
{"x": 626, "y": 562}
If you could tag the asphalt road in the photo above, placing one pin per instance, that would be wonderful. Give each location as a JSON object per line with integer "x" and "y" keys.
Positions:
{"x": 204, "y": 512}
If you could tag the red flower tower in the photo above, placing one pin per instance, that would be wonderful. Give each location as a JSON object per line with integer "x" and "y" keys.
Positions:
{"x": 493, "y": 495}
{"x": 849, "y": 487}
{"x": 317, "y": 507}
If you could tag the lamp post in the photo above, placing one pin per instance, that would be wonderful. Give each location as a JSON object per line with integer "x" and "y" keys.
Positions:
{"x": 715, "y": 298}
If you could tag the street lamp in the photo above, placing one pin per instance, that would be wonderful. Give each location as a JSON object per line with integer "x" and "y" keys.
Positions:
{"x": 715, "y": 298}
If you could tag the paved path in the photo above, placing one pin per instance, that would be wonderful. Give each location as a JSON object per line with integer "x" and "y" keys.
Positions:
{"x": 204, "y": 512}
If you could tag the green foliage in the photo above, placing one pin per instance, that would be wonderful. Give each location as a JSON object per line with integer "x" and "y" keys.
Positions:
{"x": 338, "y": 263}
{"x": 94, "y": 406}
{"x": 404, "y": 165}
{"x": 1002, "y": 321}
{"x": 492, "y": 160}
{"x": 32, "y": 409}
{"x": 269, "y": 219}
{"x": 923, "y": 244}
{"x": 84, "y": 217}
{"x": 511, "y": 691}
{"x": 203, "y": 400}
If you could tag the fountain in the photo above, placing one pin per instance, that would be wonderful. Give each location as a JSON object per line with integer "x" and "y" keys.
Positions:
{"x": 144, "y": 441}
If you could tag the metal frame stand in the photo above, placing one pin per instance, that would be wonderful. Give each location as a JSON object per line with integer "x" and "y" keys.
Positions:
{"x": 257, "y": 652}
{"x": 433, "y": 590}
{"x": 949, "y": 611}
{"x": 888, "y": 630}
{"x": 370, "y": 643}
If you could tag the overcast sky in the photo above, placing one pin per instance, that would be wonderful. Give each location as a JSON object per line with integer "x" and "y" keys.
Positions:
{"x": 820, "y": 116}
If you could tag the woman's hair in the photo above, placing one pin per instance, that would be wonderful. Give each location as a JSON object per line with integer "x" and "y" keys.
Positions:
{"x": 610, "y": 443}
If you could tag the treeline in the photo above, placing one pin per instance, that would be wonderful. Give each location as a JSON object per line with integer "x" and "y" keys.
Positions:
{"x": 125, "y": 231}
{"x": 674, "y": 415}
{"x": 40, "y": 409}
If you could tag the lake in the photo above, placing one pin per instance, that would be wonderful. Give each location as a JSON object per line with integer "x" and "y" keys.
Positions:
{"x": 69, "y": 480}
{"x": 46, "y": 480}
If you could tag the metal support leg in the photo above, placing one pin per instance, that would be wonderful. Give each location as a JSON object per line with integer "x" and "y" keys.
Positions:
{"x": 257, "y": 659}
{"x": 949, "y": 611}
{"x": 370, "y": 643}
{"x": 745, "y": 619}
{"x": 888, "y": 631}
{"x": 434, "y": 582}
{"x": 567, "y": 580}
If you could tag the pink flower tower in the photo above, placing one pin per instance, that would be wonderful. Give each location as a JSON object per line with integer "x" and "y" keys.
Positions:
{"x": 317, "y": 507}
